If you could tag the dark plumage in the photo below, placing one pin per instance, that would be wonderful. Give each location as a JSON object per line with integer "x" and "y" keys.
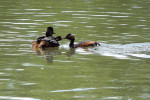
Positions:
{"x": 82, "y": 44}
{"x": 48, "y": 40}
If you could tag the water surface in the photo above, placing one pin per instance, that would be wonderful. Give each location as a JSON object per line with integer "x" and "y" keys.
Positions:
{"x": 117, "y": 70}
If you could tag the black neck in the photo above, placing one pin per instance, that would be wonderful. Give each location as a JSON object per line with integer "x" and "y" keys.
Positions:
{"x": 72, "y": 43}
{"x": 48, "y": 34}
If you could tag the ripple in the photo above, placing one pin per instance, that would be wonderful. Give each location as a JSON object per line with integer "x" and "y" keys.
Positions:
{"x": 17, "y": 98}
{"x": 82, "y": 17}
{"x": 111, "y": 98}
{"x": 28, "y": 83}
{"x": 110, "y": 12}
{"x": 20, "y": 28}
{"x": 65, "y": 25}
{"x": 81, "y": 76}
{"x": 1, "y": 73}
{"x": 64, "y": 61}
{"x": 90, "y": 26}
{"x": 22, "y": 19}
{"x": 125, "y": 33}
{"x": 32, "y": 31}
{"x": 82, "y": 51}
{"x": 33, "y": 9}
{"x": 124, "y": 51}
{"x": 72, "y": 11}
{"x": 43, "y": 15}
{"x": 141, "y": 25}
{"x": 122, "y": 13}
{"x": 140, "y": 55}
{"x": 100, "y": 15}
{"x": 145, "y": 28}
{"x": 12, "y": 54}
{"x": 119, "y": 56}
{"x": 7, "y": 25}
{"x": 123, "y": 24}
{"x": 48, "y": 22}
{"x": 24, "y": 23}
{"x": 6, "y": 22}
{"x": 79, "y": 14}
{"x": 111, "y": 87}
{"x": 76, "y": 89}
{"x": 79, "y": 96}
{"x": 47, "y": 13}
{"x": 29, "y": 64}
{"x": 10, "y": 40}
{"x": 4, "y": 79}
{"x": 120, "y": 16}
{"x": 142, "y": 20}
{"x": 23, "y": 13}
{"x": 110, "y": 27}
{"x": 64, "y": 21}
{"x": 39, "y": 20}
{"x": 48, "y": 7}
{"x": 137, "y": 7}
{"x": 132, "y": 35}
{"x": 83, "y": 22}
{"x": 19, "y": 69}
{"x": 16, "y": 13}
{"x": 8, "y": 69}
{"x": 28, "y": 35}
{"x": 10, "y": 32}
{"x": 106, "y": 23}
{"x": 5, "y": 45}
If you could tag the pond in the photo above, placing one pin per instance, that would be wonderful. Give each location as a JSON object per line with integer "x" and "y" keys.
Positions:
{"x": 119, "y": 69}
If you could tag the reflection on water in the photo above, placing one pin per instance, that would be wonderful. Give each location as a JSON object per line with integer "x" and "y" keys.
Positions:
{"x": 50, "y": 53}
{"x": 118, "y": 69}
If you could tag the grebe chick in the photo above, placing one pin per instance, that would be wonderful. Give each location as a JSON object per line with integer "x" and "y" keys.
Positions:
{"x": 82, "y": 44}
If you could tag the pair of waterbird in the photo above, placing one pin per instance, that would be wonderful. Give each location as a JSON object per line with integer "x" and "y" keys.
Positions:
{"x": 49, "y": 41}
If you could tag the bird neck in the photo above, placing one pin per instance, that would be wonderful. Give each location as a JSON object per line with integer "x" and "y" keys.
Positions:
{"x": 72, "y": 43}
{"x": 48, "y": 34}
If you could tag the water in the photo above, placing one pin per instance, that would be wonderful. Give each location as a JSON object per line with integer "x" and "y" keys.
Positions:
{"x": 117, "y": 70}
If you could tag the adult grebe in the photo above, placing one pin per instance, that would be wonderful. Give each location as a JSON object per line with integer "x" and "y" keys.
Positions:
{"x": 82, "y": 44}
{"x": 48, "y": 40}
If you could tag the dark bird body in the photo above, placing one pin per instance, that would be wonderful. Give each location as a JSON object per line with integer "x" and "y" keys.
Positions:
{"x": 48, "y": 40}
{"x": 82, "y": 44}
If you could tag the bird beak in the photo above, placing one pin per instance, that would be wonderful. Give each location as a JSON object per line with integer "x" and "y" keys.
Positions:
{"x": 65, "y": 38}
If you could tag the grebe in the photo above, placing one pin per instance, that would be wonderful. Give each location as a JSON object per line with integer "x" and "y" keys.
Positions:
{"x": 48, "y": 40}
{"x": 82, "y": 44}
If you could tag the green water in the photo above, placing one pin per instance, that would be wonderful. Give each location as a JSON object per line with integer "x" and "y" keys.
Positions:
{"x": 117, "y": 70}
